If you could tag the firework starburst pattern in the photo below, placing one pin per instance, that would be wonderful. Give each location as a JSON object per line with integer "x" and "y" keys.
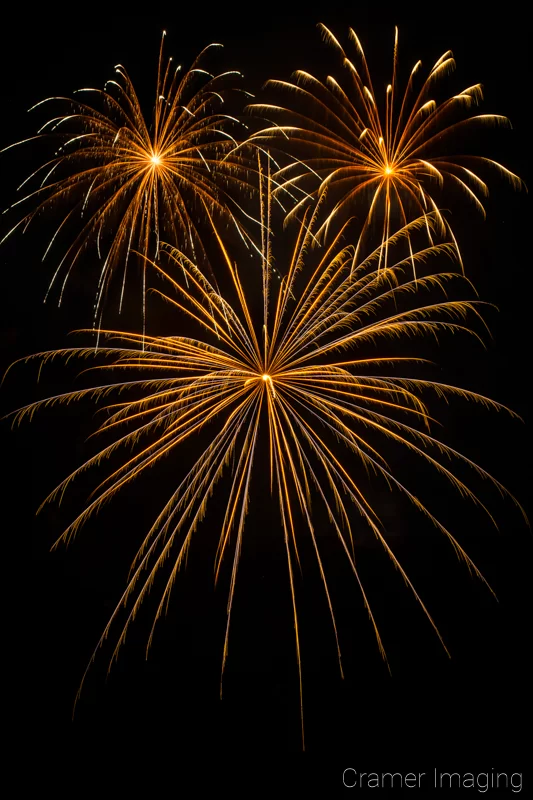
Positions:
{"x": 381, "y": 162}
{"x": 307, "y": 353}
{"x": 124, "y": 181}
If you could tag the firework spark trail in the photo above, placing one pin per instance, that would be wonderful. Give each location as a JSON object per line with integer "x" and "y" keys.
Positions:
{"x": 129, "y": 182}
{"x": 390, "y": 159}
{"x": 293, "y": 376}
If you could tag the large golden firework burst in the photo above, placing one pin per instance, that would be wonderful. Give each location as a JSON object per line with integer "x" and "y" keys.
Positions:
{"x": 121, "y": 181}
{"x": 382, "y": 162}
{"x": 298, "y": 376}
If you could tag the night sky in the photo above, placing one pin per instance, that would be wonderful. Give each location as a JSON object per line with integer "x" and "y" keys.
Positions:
{"x": 463, "y": 714}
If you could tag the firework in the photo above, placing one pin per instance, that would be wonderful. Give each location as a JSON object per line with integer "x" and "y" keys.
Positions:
{"x": 125, "y": 181}
{"x": 381, "y": 162}
{"x": 295, "y": 376}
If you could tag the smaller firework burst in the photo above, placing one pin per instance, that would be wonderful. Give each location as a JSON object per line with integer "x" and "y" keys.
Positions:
{"x": 380, "y": 162}
{"x": 120, "y": 181}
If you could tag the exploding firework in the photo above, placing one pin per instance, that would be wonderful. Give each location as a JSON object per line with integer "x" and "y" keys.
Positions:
{"x": 382, "y": 163}
{"x": 124, "y": 181}
{"x": 294, "y": 376}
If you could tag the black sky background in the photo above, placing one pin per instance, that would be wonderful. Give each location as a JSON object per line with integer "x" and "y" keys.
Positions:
{"x": 464, "y": 713}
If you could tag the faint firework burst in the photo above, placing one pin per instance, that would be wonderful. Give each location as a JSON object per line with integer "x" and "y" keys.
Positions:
{"x": 294, "y": 376}
{"x": 383, "y": 162}
{"x": 120, "y": 181}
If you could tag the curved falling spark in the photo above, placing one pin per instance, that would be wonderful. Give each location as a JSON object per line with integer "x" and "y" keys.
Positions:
{"x": 383, "y": 162}
{"x": 124, "y": 181}
{"x": 295, "y": 374}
